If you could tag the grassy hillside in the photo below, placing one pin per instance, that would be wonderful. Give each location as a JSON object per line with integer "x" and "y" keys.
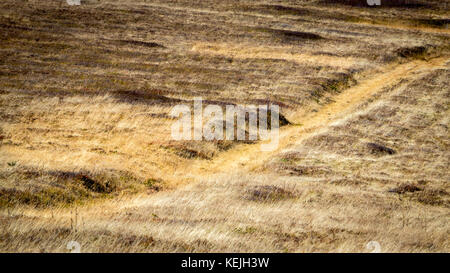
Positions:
{"x": 86, "y": 91}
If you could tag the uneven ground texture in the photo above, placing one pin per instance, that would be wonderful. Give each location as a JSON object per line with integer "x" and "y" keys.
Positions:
{"x": 86, "y": 153}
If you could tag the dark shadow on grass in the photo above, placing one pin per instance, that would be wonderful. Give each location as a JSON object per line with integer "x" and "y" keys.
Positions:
{"x": 384, "y": 3}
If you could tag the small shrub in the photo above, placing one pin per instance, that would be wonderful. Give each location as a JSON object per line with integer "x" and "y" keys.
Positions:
{"x": 290, "y": 35}
{"x": 246, "y": 230}
{"x": 189, "y": 153}
{"x": 94, "y": 185}
{"x": 153, "y": 184}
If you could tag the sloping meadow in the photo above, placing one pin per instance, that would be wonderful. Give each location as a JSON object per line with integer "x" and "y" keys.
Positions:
{"x": 88, "y": 89}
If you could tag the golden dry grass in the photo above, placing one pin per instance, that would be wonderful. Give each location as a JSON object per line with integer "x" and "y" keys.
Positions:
{"x": 86, "y": 153}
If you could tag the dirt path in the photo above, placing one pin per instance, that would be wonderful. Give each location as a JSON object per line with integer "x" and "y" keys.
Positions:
{"x": 251, "y": 157}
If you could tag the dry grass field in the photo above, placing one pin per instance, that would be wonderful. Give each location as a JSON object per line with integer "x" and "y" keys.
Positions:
{"x": 86, "y": 152}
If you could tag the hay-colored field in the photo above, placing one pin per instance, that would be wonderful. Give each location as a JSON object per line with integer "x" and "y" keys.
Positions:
{"x": 86, "y": 152}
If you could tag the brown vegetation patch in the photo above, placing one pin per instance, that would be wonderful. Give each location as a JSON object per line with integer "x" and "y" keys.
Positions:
{"x": 143, "y": 96}
{"x": 282, "y": 10}
{"x": 379, "y": 149}
{"x": 272, "y": 9}
{"x": 384, "y": 3}
{"x": 282, "y": 120}
{"x": 433, "y": 197}
{"x": 290, "y": 35}
{"x": 411, "y": 52}
{"x": 140, "y": 43}
{"x": 189, "y": 153}
{"x": 268, "y": 194}
{"x": 44, "y": 188}
{"x": 300, "y": 170}
{"x": 430, "y": 196}
{"x": 40, "y": 198}
{"x": 334, "y": 84}
{"x": 404, "y": 188}
{"x": 95, "y": 185}
{"x": 437, "y": 23}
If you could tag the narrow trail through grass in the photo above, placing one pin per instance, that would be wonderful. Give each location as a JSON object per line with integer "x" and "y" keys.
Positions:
{"x": 250, "y": 156}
